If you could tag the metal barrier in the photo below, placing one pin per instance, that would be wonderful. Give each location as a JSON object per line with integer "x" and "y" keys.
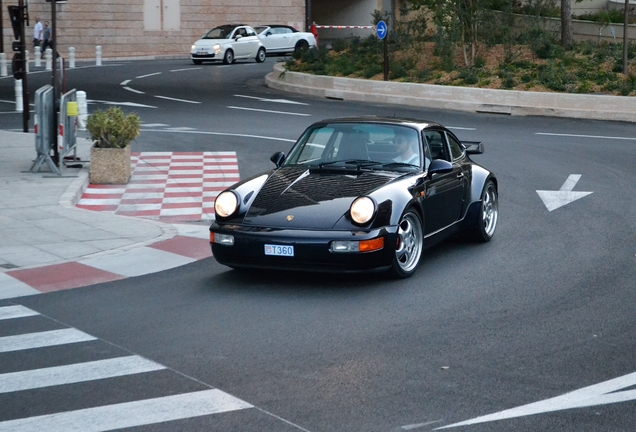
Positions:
{"x": 67, "y": 126}
{"x": 44, "y": 128}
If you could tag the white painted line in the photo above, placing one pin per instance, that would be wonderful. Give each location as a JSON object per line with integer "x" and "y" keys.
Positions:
{"x": 154, "y": 125}
{"x": 137, "y": 262}
{"x": 220, "y": 134}
{"x": 18, "y": 311}
{"x": 75, "y": 373}
{"x": 178, "y": 100}
{"x": 587, "y": 136}
{"x": 569, "y": 184}
{"x": 130, "y": 104}
{"x": 133, "y": 90}
{"x": 420, "y": 425}
{"x": 43, "y": 339}
{"x": 149, "y": 75}
{"x": 599, "y": 394}
{"x": 183, "y": 128}
{"x": 283, "y": 101}
{"x": 269, "y": 111}
{"x": 130, "y": 414}
{"x": 11, "y": 287}
{"x": 123, "y": 83}
{"x": 187, "y": 69}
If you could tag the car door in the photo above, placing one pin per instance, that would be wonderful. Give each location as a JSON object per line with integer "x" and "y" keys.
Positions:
{"x": 275, "y": 39}
{"x": 445, "y": 192}
{"x": 240, "y": 45}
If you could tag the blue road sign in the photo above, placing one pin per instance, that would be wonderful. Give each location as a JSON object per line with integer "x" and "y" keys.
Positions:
{"x": 381, "y": 30}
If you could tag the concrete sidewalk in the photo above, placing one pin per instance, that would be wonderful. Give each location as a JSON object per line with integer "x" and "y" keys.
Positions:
{"x": 46, "y": 243}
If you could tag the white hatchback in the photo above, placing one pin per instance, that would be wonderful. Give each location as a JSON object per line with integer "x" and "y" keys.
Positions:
{"x": 228, "y": 43}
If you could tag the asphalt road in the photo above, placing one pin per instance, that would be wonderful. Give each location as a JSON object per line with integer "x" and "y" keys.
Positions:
{"x": 543, "y": 310}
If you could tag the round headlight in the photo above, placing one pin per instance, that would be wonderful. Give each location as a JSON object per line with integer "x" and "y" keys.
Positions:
{"x": 362, "y": 210}
{"x": 225, "y": 204}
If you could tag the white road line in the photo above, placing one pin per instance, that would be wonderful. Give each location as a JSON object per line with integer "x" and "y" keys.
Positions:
{"x": 130, "y": 104}
{"x": 130, "y": 414}
{"x": 283, "y": 101}
{"x": 178, "y": 100}
{"x": 123, "y": 83}
{"x": 269, "y": 111}
{"x": 43, "y": 339}
{"x": 587, "y": 136}
{"x": 75, "y": 373}
{"x": 187, "y": 69}
{"x": 222, "y": 134}
{"x": 149, "y": 75}
{"x": 133, "y": 90}
{"x": 18, "y": 311}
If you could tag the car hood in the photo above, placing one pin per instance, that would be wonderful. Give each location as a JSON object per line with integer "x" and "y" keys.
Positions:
{"x": 306, "y": 199}
{"x": 207, "y": 43}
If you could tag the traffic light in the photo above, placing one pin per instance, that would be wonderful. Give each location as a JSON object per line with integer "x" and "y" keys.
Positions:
{"x": 17, "y": 66}
{"x": 15, "y": 13}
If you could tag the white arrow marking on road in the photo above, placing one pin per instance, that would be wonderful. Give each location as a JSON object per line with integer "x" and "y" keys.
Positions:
{"x": 598, "y": 394}
{"x": 555, "y": 199}
{"x": 284, "y": 101}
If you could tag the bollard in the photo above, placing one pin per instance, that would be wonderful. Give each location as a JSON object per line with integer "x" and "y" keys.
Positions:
{"x": 38, "y": 56}
{"x": 98, "y": 55}
{"x": 19, "y": 107}
{"x": 3, "y": 64}
{"x": 26, "y": 61}
{"x": 71, "y": 57}
{"x": 48, "y": 57}
{"x": 82, "y": 109}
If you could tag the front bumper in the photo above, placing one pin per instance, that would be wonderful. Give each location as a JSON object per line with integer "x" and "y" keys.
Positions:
{"x": 311, "y": 249}
{"x": 195, "y": 56}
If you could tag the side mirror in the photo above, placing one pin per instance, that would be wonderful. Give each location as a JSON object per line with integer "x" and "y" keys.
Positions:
{"x": 237, "y": 37}
{"x": 439, "y": 166}
{"x": 269, "y": 33}
{"x": 278, "y": 158}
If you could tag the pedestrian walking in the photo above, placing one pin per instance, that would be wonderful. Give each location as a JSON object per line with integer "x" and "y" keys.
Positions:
{"x": 47, "y": 37}
{"x": 37, "y": 33}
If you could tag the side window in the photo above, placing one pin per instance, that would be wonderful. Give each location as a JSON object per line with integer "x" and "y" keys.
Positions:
{"x": 436, "y": 144}
{"x": 456, "y": 148}
{"x": 250, "y": 32}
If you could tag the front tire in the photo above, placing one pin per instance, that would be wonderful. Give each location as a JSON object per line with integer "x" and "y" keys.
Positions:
{"x": 488, "y": 213}
{"x": 228, "y": 57}
{"x": 410, "y": 242}
{"x": 260, "y": 55}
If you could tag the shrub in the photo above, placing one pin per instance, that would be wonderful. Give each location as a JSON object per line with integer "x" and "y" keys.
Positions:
{"x": 112, "y": 128}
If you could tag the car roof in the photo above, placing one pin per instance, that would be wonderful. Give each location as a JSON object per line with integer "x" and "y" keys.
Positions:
{"x": 278, "y": 26}
{"x": 402, "y": 121}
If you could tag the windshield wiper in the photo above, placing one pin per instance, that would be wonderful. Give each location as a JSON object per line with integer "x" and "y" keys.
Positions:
{"x": 399, "y": 165}
{"x": 359, "y": 163}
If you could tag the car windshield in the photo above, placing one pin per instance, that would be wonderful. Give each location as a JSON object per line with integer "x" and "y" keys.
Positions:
{"x": 260, "y": 29}
{"x": 219, "y": 33}
{"x": 359, "y": 145}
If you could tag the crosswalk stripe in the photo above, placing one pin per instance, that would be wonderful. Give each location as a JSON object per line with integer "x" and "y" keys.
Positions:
{"x": 130, "y": 414}
{"x": 74, "y": 373}
{"x": 43, "y": 339}
{"x": 18, "y": 311}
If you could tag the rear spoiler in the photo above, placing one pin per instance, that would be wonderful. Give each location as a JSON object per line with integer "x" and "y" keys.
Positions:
{"x": 473, "y": 147}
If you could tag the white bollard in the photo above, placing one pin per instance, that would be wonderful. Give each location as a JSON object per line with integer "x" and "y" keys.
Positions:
{"x": 48, "y": 57}
{"x": 38, "y": 56}
{"x": 71, "y": 57}
{"x": 19, "y": 102}
{"x": 3, "y": 64}
{"x": 26, "y": 61}
{"x": 82, "y": 109}
{"x": 98, "y": 55}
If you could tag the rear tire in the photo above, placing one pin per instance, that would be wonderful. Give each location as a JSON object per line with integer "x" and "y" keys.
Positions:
{"x": 488, "y": 213}
{"x": 301, "y": 45}
{"x": 410, "y": 242}
{"x": 228, "y": 57}
{"x": 261, "y": 55}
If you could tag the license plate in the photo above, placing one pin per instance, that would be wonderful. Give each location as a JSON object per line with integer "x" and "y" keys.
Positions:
{"x": 278, "y": 250}
{"x": 202, "y": 53}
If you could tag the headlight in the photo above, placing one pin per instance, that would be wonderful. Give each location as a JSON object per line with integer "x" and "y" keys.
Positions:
{"x": 193, "y": 48}
{"x": 217, "y": 48}
{"x": 225, "y": 204}
{"x": 362, "y": 210}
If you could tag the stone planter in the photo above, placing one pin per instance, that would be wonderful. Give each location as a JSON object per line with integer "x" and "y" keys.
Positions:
{"x": 109, "y": 165}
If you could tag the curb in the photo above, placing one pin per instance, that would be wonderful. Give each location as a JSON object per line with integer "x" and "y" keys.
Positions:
{"x": 509, "y": 102}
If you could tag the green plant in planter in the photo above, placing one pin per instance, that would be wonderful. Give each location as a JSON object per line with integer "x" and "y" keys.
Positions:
{"x": 112, "y": 128}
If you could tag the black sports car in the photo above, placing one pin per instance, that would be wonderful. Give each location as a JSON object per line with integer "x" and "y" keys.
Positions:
{"x": 357, "y": 194}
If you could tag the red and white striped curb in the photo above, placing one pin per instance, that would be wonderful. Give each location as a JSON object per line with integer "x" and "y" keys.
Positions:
{"x": 167, "y": 186}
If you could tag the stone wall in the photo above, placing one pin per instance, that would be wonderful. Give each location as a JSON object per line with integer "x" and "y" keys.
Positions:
{"x": 147, "y": 28}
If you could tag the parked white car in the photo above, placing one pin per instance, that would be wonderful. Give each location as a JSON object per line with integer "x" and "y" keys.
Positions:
{"x": 283, "y": 39}
{"x": 228, "y": 43}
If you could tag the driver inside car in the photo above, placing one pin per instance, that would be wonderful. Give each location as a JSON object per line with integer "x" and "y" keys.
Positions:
{"x": 406, "y": 148}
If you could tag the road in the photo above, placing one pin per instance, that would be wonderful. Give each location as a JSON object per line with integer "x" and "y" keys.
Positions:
{"x": 485, "y": 337}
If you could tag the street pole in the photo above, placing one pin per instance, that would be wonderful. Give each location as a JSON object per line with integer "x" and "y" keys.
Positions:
{"x": 625, "y": 39}
{"x": 25, "y": 86}
{"x": 56, "y": 153}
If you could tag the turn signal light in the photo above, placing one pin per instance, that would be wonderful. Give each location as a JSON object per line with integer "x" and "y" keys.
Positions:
{"x": 371, "y": 245}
